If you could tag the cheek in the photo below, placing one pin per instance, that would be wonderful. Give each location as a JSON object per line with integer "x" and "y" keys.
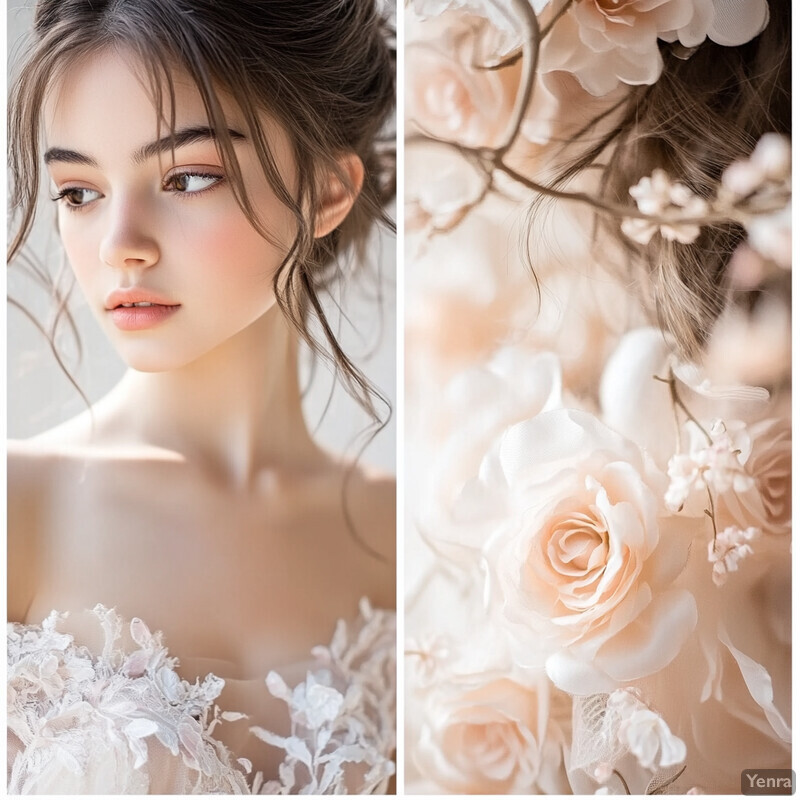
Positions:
{"x": 81, "y": 244}
{"x": 225, "y": 258}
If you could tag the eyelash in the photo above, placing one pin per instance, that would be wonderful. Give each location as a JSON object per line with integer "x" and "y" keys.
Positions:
{"x": 63, "y": 194}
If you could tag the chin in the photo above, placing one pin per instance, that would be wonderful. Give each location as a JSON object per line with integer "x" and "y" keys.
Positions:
{"x": 152, "y": 359}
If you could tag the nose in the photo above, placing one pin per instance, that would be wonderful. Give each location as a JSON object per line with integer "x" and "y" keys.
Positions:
{"x": 128, "y": 241}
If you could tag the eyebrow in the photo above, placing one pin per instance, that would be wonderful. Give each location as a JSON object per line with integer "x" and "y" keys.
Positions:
{"x": 179, "y": 138}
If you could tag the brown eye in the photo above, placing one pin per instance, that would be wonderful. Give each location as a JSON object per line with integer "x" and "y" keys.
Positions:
{"x": 191, "y": 182}
{"x": 77, "y": 197}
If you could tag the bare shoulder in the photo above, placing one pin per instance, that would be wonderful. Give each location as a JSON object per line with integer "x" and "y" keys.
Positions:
{"x": 372, "y": 498}
{"x": 30, "y": 470}
{"x": 367, "y": 501}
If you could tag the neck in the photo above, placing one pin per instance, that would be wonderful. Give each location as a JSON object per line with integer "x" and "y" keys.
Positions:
{"x": 235, "y": 410}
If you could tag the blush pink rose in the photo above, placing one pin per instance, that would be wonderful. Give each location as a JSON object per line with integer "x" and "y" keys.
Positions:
{"x": 492, "y": 736}
{"x": 767, "y": 504}
{"x": 580, "y": 560}
{"x": 450, "y": 97}
{"x": 605, "y": 42}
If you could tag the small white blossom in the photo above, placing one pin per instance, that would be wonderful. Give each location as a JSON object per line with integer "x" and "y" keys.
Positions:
{"x": 718, "y": 464}
{"x": 625, "y": 701}
{"x": 684, "y": 475}
{"x": 657, "y": 196}
{"x": 651, "y": 741}
{"x": 723, "y": 459}
{"x": 769, "y": 163}
{"x": 766, "y": 175}
{"x": 770, "y": 235}
{"x": 644, "y": 732}
{"x": 730, "y": 547}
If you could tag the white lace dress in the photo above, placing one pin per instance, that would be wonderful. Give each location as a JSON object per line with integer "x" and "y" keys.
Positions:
{"x": 123, "y": 722}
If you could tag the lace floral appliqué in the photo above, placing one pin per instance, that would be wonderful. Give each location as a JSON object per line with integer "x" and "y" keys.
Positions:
{"x": 124, "y": 722}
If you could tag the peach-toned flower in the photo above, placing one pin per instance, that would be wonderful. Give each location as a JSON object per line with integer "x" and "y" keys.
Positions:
{"x": 491, "y": 736}
{"x": 605, "y": 42}
{"x": 578, "y": 565}
{"x": 767, "y": 502}
{"x": 499, "y": 15}
{"x": 450, "y": 95}
{"x": 469, "y": 291}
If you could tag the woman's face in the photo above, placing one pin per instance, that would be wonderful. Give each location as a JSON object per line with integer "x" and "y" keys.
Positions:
{"x": 142, "y": 223}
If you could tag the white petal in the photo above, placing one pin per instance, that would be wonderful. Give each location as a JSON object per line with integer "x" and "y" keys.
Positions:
{"x": 738, "y": 21}
{"x": 759, "y": 684}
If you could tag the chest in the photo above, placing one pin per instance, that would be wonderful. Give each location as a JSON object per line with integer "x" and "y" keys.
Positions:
{"x": 236, "y": 582}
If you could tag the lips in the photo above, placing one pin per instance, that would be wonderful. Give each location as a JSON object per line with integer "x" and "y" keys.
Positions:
{"x": 136, "y": 297}
{"x": 138, "y": 309}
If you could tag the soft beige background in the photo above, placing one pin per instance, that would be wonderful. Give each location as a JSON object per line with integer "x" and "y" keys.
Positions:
{"x": 40, "y": 396}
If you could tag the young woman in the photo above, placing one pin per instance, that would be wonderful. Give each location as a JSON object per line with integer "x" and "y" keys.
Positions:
{"x": 209, "y": 164}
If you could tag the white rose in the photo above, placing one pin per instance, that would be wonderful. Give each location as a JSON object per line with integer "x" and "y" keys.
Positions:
{"x": 514, "y": 385}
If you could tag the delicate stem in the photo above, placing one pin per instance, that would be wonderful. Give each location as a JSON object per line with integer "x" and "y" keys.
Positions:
{"x": 712, "y": 514}
{"x": 493, "y": 159}
{"x": 624, "y": 782}
{"x": 663, "y": 786}
{"x": 676, "y": 400}
{"x": 530, "y": 62}
{"x": 547, "y": 28}
{"x": 611, "y": 209}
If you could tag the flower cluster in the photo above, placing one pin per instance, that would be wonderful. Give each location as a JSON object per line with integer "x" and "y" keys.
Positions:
{"x": 657, "y": 197}
{"x": 728, "y": 549}
{"x": 755, "y": 193}
{"x": 714, "y": 462}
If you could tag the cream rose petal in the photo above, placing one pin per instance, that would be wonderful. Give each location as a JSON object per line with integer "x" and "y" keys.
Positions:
{"x": 653, "y": 639}
{"x": 759, "y": 684}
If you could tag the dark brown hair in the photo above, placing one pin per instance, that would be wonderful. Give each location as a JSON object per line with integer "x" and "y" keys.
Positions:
{"x": 704, "y": 112}
{"x": 324, "y": 69}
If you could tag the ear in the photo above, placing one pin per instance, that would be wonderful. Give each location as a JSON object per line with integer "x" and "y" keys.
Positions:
{"x": 336, "y": 199}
